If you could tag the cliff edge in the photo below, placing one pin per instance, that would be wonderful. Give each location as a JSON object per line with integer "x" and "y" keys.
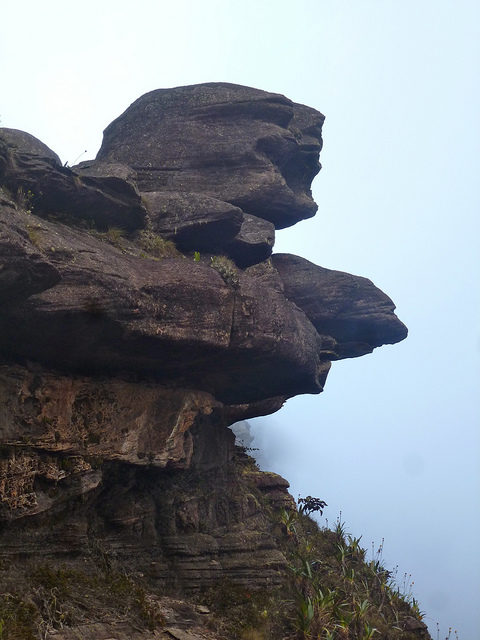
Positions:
{"x": 142, "y": 314}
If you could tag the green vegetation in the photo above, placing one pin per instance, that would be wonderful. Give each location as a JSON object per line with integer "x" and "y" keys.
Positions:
{"x": 332, "y": 591}
{"x": 246, "y": 614}
{"x": 327, "y": 590}
{"x": 156, "y": 246}
{"x": 64, "y": 597}
{"x": 18, "y": 618}
{"x": 153, "y": 245}
{"x": 227, "y": 269}
{"x": 311, "y": 505}
{"x": 114, "y": 235}
{"x": 33, "y": 234}
{"x": 25, "y": 199}
{"x": 337, "y": 593}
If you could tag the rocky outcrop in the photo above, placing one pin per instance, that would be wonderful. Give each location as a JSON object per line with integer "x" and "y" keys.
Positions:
{"x": 142, "y": 315}
{"x": 32, "y": 172}
{"x": 348, "y": 308}
{"x": 253, "y": 149}
{"x": 147, "y": 317}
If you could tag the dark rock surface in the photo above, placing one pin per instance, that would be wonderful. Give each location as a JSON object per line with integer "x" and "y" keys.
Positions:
{"x": 30, "y": 169}
{"x": 149, "y": 318}
{"x": 24, "y": 269}
{"x": 123, "y": 360}
{"x": 22, "y": 142}
{"x": 349, "y": 308}
{"x": 187, "y": 529}
{"x": 193, "y": 221}
{"x": 256, "y": 150}
{"x": 253, "y": 243}
{"x": 96, "y": 169}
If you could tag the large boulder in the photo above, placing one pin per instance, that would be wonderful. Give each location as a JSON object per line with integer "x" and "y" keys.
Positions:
{"x": 217, "y": 167}
{"x": 253, "y": 243}
{"x": 193, "y": 221}
{"x": 351, "y": 309}
{"x": 254, "y": 149}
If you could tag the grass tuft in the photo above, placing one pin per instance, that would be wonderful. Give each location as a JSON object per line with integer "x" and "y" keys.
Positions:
{"x": 156, "y": 246}
{"x": 227, "y": 269}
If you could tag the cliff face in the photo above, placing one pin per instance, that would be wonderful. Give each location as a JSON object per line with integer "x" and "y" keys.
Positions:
{"x": 142, "y": 313}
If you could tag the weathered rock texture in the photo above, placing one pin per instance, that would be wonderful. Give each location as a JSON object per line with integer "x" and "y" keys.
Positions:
{"x": 256, "y": 150}
{"x": 348, "y": 308}
{"x": 129, "y": 342}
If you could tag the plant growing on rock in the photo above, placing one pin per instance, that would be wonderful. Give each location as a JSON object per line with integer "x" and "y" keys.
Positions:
{"x": 334, "y": 591}
{"x": 33, "y": 235}
{"x": 18, "y": 618}
{"x": 25, "y": 199}
{"x": 157, "y": 246}
{"x": 311, "y": 505}
{"x": 288, "y": 518}
{"x": 227, "y": 269}
{"x": 115, "y": 236}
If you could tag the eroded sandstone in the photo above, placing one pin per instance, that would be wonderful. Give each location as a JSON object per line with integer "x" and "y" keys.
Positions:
{"x": 142, "y": 315}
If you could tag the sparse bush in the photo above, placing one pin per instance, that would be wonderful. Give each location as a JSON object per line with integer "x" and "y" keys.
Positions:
{"x": 115, "y": 235}
{"x": 33, "y": 235}
{"x": 18, "y": 618}
{"x": 227, "y": 269}
{"x": 333, "y": 592}
{"x": 25, "y": 199}
{"x": 310, "y": 505}
{"x": 63, "y": 594}
{"x": 245, "y": 614}
{"x": 157, "y": 246}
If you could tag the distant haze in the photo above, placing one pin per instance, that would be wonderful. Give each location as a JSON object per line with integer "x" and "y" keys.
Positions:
{"x": 393, "y": 442}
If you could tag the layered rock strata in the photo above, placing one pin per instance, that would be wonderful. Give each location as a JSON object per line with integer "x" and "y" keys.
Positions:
{"x": 142, "y": 315}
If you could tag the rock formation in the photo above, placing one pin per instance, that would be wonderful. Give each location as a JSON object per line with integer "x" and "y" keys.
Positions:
{"x": 142, "y": 315}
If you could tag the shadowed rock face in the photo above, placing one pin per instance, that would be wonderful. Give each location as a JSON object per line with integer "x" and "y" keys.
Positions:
{"x": 123, "y": 358}
{"x": 25, "y": 270}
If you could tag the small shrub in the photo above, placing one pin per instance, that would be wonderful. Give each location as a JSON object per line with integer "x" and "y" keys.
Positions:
{"x": 247, "y": 614}
{"x": 65, "y": 596}
{"x": 18, "y": 618}
{"x": 308, "y": 505}
{"x": 33, "y": 235}
{"x": 157, "y": 246}
{"x": 115, "y": 235}
{"x": 25, "y": 199}
{"x": 288, "y": 517}
{"x": 227, "y": 269}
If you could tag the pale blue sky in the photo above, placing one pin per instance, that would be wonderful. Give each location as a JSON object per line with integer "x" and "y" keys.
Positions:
{"x": 393, "y": 441}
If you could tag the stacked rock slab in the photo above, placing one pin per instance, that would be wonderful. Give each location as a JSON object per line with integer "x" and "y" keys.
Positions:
{"x": 124, "y": 361}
